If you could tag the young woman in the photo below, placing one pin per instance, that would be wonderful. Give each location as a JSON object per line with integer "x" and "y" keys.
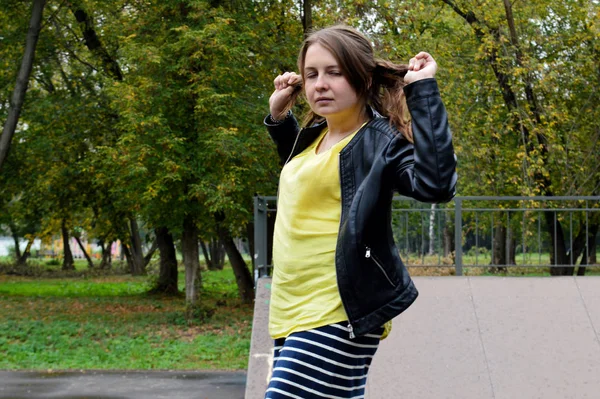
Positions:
{"x": 337, "y": 277}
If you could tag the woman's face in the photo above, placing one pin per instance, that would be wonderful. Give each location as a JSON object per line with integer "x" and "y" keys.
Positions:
{"x": 328, "y": 91}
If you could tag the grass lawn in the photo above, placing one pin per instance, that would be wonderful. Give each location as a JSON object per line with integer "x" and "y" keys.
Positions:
{"x": 88, "y": 321}
{"x": 110, "y": 323}
{"x": 532, "y": 265}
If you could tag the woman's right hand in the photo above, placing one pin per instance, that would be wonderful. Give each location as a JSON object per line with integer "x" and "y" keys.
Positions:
{"x": 287, "y": 88}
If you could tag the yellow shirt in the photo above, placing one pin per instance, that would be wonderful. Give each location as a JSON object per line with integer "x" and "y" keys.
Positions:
{"x": 304, "y": 292}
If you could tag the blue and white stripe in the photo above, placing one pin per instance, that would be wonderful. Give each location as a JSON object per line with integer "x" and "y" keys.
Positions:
{"x": 322, "y": 363}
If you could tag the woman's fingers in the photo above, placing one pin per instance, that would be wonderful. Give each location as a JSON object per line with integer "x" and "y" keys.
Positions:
{"x": 287, "y": 79}
{"x": 423, "y": 55}
{"x": 419, "y": 61}
{"x": 416, "y": 64}
{"x": 285, "y": 93}
{"x": 421, "y": 66}
{"x": 294, "y": 79}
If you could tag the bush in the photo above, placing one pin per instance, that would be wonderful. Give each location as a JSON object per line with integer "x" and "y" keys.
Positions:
{"x": 25, "y": 270}
{"x": 193, "y": 315}
{"x": 53, "y": 262}
{"x": 477, "y": 250}
{"x": 12, "y": 253}
{"x": 51, "y": 269}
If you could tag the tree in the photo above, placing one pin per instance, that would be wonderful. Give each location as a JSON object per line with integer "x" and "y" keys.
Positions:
{"x": 193, "y": 147}
{"x": 22, "y": 79}
{"x": 147, "y": 117}
{"x": 189, "y": 246}
{"x": 522, "y": 63}
{"x": 306, "y": 16}
{"x": 167, "y": 279}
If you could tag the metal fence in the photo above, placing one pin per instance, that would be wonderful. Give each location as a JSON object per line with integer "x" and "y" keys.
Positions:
{"x": 476, "y": 232}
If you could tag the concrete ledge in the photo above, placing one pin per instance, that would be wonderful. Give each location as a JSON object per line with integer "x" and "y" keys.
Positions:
{"x": 261, "y": 346}
{"x": 476, "y": 337}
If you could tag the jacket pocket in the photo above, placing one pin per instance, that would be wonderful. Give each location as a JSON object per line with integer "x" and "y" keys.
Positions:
{"x": 371, "y": 256}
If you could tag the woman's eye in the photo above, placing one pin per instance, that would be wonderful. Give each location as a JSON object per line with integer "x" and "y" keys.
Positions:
{"x": 335, "y": 73}
{"x": 310, "y": 75}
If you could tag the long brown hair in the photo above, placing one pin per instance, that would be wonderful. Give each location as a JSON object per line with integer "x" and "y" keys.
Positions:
{"x": 379, "y": 82}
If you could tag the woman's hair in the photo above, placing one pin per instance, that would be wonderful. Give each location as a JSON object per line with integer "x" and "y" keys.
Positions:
{"x": 378, "y": 82}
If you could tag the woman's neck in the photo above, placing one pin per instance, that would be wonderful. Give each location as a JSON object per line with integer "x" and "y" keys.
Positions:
{"x": 343, "y": 125}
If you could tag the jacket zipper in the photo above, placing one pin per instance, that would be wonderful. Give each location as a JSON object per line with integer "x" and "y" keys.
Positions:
{"x": 289, "y": 156}
{"x": 293, "y": 147}
{"x": 350, "y": 328}
{"x": 368, "y": 256}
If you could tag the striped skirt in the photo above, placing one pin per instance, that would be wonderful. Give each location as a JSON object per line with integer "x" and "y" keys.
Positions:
{"x": 322, "y": 363}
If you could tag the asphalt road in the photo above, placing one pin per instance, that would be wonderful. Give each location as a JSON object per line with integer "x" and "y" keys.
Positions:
{"x": 122, "y": 385}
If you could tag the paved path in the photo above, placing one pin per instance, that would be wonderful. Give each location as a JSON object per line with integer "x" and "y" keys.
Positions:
{"x": 476, "y": 338}
{"x": 122, "y": 385}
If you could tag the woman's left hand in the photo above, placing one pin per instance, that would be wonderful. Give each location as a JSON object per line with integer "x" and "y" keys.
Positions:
{"x": 421, "y": 66}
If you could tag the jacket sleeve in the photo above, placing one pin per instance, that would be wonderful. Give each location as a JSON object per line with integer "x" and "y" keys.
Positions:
{"x": 283, "y": 134}
{"x": 426, "y": 170}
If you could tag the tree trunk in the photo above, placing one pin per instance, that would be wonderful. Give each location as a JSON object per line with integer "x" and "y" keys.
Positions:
{"x": 167, "y": 279}
{"x": 137, "y": 255}
{"x": 584, "y": 261}
{"x": 193, "y": 278}
{"x": 222, "y": 254}
{"x": 93, "y": 43}
{"x": 512, "y": 250}
{"x": 150, "y": 253}
{"x": 209, "y": 265}
{"x": 512, "y": 246}
{"x": 128, "y": 257}
{"x": 499, "y": 252}
{"x": 448, "y": 241}
{"x": 240, "y": 269}
{"x": 27, "y": 253}
{"x": 432, "y": 230}
{"x": 307, "y": 17}
{"x": 87, "y": 257}
{"x": 577, "y": 249}
{"x": 558, "y": 253}
{"x": 68, "y": 263}
{"x": 250, "y": 237}
{"x": 106, "y": 261}
{"x": 17, "y": 247}
{"x": 18, "y": 97}
{"x": 213, "y": 252}
{"x": 271, "y": 217}
{"x": 589, "y": 252}
{"x": 592, "y": 245}
{"x": 217, "y": 254}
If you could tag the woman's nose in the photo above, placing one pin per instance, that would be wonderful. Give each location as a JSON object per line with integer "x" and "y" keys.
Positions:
{"x": 321, "y": 83}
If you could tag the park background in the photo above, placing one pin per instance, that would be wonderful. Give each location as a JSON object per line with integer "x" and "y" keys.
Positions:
{"x": 139, "y": 149}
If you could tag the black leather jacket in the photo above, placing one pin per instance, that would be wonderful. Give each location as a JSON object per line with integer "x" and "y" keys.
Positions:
{"x": 374, "y": 284}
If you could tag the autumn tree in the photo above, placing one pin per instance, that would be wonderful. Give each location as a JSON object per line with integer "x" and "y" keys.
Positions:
{"x": 20, "y": 89}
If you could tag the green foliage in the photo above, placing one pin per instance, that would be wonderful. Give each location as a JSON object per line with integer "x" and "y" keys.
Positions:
{"x": 181, "y": 136}
{"x": 219, "y": 284}
{"x": 189, "y": 120}
{"x": 62, "y": 288}
{"x": 63, "y": 344}
{"x": 108, "y": 323}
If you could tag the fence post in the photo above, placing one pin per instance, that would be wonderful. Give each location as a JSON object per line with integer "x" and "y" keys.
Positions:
{"x": 260, "y": 237}
{"x": 458, "y": 263}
